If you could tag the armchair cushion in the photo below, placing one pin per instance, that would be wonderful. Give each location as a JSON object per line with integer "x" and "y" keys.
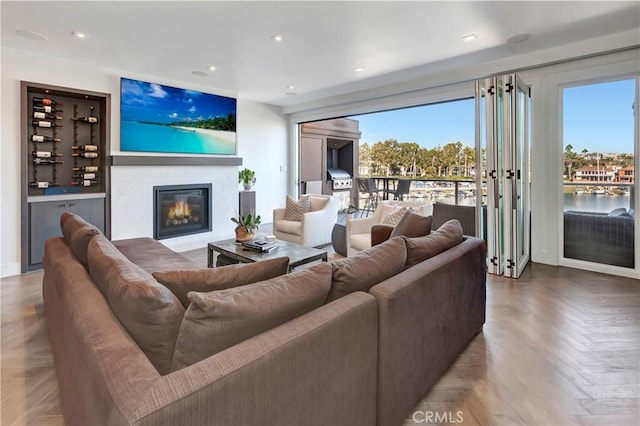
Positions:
{"x": 181, "y": 282}
{"x": 361, "y": 241}
{"x": 368, "y": 268}
{"x": 220, "y": 319}
{"x": 295, "y": 209}
{"x": 293, "y": 227}
{"x": 394, "y": 217}
{"x": 422, "y": 248}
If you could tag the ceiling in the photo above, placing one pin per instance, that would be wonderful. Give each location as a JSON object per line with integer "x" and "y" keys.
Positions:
{"x": 322, "y": 42}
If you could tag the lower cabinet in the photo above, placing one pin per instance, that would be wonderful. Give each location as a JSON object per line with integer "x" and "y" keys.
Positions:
{"x": 44, "y": 221}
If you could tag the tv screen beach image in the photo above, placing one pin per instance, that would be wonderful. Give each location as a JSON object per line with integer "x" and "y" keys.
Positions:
{"x": 157, "y": 118}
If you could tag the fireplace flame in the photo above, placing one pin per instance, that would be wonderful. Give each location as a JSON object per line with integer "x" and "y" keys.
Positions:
{"x": 179, "y": 210}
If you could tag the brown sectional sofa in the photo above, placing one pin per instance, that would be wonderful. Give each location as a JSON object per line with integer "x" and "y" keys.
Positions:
{"x": 362, "y": 359}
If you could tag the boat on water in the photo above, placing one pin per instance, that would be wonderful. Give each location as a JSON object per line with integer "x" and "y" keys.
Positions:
{"x": 580, "y": 191}
{"x": 598, "y": 191}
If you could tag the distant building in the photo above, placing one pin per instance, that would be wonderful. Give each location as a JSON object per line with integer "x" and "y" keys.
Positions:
{"x": 626, "y": 175}
{"x": 595, "y": 174}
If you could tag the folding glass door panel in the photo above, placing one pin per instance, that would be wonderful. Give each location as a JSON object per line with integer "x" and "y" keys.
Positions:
{"x": 503, "y": 135}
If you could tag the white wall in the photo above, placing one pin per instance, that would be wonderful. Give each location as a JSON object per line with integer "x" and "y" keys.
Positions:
{"x": 261, "y": 135}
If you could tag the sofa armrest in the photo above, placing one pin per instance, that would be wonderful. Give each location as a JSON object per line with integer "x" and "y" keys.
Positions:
{"x": 380, "y": 233}
{"x": 427, "y": 315}
{"x": 282, "y": 376}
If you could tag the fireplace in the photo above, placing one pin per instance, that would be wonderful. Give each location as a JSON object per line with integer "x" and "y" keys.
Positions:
{"x": 181, "y": 210}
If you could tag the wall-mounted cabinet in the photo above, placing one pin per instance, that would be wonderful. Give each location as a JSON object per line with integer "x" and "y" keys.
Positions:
{"x": 65, "y": 144}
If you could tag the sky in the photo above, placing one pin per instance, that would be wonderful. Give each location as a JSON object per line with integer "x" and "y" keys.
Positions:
{"x": 155, "y": 103}
{"x": 597, "y": 117}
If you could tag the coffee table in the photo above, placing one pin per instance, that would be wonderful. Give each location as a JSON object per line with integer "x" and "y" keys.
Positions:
{"x": 232, "y": 252}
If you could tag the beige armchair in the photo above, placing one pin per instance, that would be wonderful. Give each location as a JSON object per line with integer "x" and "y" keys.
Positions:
{"x": 359, "y": 230}
{"x": 315, "y": 228}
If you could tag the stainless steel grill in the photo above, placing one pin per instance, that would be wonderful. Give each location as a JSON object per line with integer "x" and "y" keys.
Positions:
{"x": 340, "y": 179}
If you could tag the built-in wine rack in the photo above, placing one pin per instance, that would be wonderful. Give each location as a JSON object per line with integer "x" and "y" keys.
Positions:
{"x": 64, "y": 141}
{"x": 67, "y": 139}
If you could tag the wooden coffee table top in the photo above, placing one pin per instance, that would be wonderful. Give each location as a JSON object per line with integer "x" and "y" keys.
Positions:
{"x": 297, "y": 254}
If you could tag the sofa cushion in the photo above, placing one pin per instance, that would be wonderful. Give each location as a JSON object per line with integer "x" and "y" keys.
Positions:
{"x": 181, "y": 282}
{"x": 147, "y": 310}
{"x": 295, "y": 209}
{"x": 289, "y": 227}
{"x": 420, "y": 249}
{"x": 367, "y": 268}
{"x": 220, "y": 319}
{"x": 412, "y": 225}
{"x": 77, "y": 233}
{"x": 152, "y": 255}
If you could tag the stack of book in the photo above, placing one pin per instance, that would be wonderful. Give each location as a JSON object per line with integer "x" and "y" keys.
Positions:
{"x": 261, "y": 246}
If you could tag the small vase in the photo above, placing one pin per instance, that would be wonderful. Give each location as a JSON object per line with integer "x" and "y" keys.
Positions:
{"x": 242, "y": 234}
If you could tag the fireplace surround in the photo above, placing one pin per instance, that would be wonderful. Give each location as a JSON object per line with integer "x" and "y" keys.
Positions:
{"x": 181, "y": 210}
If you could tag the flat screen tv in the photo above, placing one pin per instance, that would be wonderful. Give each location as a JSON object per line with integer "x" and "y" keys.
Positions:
{"x": 157, "y": 118}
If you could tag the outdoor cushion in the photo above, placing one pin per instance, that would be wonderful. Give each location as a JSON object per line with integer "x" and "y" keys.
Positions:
{"x": 295, "y": 209}
{"x": 181, "y": 282}
{"x": 367, "y": 268}
{"x": 420, "y": 249}
{"x": 220, "y": 319}
{"x": 619, "y": 212}
{"x": 147, "y": 310}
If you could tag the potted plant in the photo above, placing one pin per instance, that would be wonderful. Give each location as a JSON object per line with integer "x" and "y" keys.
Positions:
{"x": 247, "y": 228}
{"x": 247, "y": 177}
{"x": 350, "y": 211}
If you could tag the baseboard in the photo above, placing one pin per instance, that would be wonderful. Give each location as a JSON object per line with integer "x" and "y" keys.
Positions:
{"x": 9, "y": 269}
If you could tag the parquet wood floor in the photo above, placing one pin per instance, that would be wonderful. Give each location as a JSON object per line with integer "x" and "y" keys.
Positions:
{"x": 560, "y": 347}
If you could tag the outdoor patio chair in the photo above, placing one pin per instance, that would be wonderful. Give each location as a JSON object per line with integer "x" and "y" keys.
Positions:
{"x": 368, "y": 186}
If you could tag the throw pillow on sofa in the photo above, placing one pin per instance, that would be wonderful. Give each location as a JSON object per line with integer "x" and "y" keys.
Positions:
{"x": 420, "y": 249}
{"x": 181, "y": 282}
{"x": 367, "y": 268}
{"x": 147, "y": 310}
{"x": 394, "y": 217}
{"x": 220, "y": 319}
{"x": 412, "y": 225}
{"x": 77, "y": 233}
{"x": 296, "y": 209}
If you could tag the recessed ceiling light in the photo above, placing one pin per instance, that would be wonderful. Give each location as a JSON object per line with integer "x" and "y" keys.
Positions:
{"x": 358, "y": 69}
{"x": 469, "y": 37}
{"x": 31, "y": 35}
{"x": 277, "y": 38}
{"x": 211, "y": 67}
{"x": 519, "y": 38}
{"x": 290, "y": 87}
{"x": 199, "y": 73}
{"x": 79, "y": 34}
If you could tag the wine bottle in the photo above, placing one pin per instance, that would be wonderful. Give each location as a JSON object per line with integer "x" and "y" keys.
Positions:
{"x": 85, "y": 169}
{"x": 85, "y": 154}
{"x": 87, "y": 119}
{"x": 86, "y": 182}
{"x": 44, "y": 154}
{"x": 41, "y": 184}
{"x": 87, "y": 147}
{"x": 44, "y": 115}
{"x": 46, "y": 101}
{"x": 39, "y": 161}
{"x": 47, "y": 109}
{"x": 85, "y": 176}
{"x": 41, "y": 138}
{"x": 42, "y": 123}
